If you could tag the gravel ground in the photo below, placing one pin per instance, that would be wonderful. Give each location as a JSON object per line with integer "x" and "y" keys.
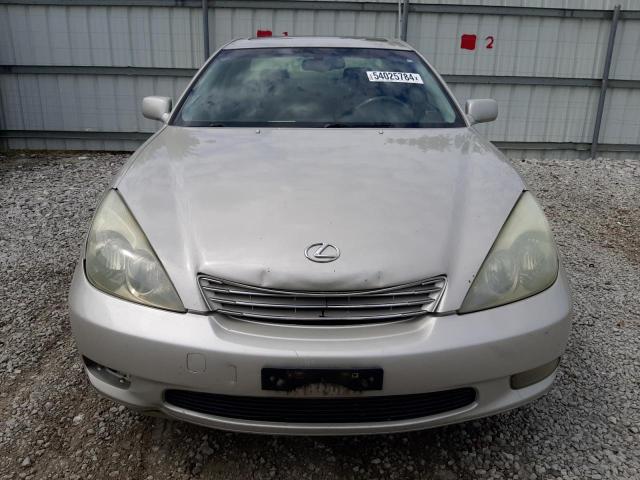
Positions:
{"x": 53, "y": 425}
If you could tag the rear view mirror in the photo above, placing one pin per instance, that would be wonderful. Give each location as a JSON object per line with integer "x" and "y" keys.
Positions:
{"x": 323, "y": 64}
{"x": 157, "y": 108}
{"x": 481, "y": 110}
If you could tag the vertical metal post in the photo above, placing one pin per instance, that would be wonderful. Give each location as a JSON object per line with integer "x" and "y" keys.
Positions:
{"x": 399, "y": 23}
{"x": 605, "y": 80}
{"x": 405, "y": 20}
{"x": 205, "y": 28}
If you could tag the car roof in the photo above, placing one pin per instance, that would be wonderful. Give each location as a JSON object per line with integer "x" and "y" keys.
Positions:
{"x": 335, "y": 42}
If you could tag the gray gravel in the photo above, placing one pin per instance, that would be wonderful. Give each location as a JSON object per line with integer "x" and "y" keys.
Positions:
{"x": 53, "y": 425}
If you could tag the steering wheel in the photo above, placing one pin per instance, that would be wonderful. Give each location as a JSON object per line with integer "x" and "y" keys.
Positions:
{"x": 383, "y": 99}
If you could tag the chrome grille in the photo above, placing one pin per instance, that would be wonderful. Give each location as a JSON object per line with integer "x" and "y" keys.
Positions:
{"x": 384, "y": 304}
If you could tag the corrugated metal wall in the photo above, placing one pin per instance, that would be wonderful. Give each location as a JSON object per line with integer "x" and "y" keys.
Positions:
{"x": 83, "y": 67}
{"x": 100, "y": 36}
{"x": 564, "y": 4}
{"x": 108, "y": 103}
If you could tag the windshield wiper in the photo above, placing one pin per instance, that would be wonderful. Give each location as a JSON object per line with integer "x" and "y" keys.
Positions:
{"x": 359, "y": 125}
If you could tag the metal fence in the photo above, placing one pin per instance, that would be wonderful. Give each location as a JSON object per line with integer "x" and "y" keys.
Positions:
{"x": 73, "y": 73}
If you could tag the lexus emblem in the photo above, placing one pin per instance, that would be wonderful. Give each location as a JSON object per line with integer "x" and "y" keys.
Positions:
{"x": 322, "y": 252}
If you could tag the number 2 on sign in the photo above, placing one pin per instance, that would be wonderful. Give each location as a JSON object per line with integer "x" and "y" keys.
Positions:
{"x": 489, "y": 41}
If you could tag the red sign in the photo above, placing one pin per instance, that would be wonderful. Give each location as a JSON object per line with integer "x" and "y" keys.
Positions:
{"x": 468, "y": 42}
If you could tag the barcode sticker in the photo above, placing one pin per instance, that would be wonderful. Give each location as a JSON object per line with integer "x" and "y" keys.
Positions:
{"x": 398, "y": 77}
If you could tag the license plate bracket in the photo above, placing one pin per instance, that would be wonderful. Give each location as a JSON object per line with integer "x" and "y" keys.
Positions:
{"x": 290, "y": 379}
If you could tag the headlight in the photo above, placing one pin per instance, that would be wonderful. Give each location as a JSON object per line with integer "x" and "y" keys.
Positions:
{"x": 120, "y": 261}
{"x": 522, "y": 262}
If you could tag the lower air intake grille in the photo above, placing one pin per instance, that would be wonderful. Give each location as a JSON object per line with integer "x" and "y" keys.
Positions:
{"x": 323, "y": 410}
{"x": 285, "y": 306}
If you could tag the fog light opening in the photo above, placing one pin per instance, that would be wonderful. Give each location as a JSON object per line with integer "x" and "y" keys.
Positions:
{"x": 535, "y": 375}
{"x": 111, "y": 376}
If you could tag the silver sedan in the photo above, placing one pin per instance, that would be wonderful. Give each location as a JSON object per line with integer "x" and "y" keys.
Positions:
{"x": 317, "y": 241}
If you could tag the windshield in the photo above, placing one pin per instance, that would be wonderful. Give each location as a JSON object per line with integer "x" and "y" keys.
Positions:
{"x": 317, "y": 87}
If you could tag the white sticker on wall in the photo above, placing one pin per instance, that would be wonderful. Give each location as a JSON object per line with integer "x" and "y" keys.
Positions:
{"x": 397, "y": 77}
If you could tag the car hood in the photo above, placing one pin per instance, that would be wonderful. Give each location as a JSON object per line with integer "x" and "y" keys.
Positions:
{"x": 243, "y": 204}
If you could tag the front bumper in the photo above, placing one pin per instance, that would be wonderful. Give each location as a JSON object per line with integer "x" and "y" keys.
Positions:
{"x": 162, "y": 350}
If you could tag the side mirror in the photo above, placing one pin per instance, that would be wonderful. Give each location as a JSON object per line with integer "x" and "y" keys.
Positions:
{"x": 157, "y": 108}
{"x": 481, "y": 110}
